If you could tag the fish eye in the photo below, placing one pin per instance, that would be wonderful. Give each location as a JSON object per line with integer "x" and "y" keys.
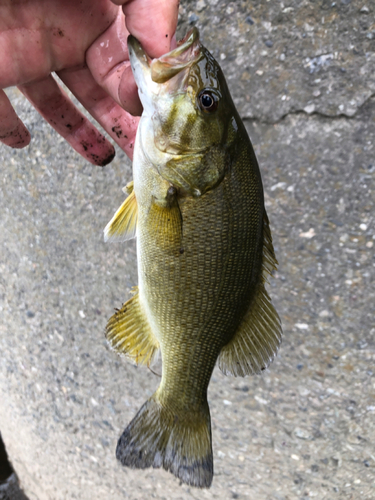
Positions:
{"x": 208, "y": 101}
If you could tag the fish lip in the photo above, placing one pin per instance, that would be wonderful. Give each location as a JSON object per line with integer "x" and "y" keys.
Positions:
{"x": 136, "y": 52}
{"x": 187, "y": 52}
{"x": 140, "y": 62}
{"x": 141, "y": 67}
{"x": 191, "y": 38}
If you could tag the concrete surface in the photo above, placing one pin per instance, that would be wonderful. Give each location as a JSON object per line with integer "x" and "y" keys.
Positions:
{"x": 306, "y": 428}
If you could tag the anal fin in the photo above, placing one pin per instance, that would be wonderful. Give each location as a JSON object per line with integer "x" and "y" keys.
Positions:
{"x": 258, "y": 338}
{"x": 123, "y": 225}
{"x": 128, "y": 332}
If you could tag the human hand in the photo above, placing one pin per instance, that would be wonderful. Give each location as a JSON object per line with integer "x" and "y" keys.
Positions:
{"x": 153, "y": 23}
{"x": 38, "y": 37}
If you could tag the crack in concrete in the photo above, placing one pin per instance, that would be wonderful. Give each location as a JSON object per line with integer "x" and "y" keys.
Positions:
{"x": 314, "y": 113}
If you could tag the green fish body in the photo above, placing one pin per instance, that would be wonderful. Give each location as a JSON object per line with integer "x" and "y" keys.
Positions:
{"x": 204, "y": 250}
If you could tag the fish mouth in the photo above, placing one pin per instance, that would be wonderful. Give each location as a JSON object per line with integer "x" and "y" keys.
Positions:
{"x": 159, "y": 71}
{"x": 184, "y": 55}
{"x": 160, "y": 80}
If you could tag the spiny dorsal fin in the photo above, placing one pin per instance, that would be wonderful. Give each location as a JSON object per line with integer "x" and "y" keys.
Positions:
{"x": 123, "y": 225}
{"x": 128, "y": 332}
{"x": 258, "y": 338}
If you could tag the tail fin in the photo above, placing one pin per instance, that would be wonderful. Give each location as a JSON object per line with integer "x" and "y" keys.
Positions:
{"x": 181, "y": 443}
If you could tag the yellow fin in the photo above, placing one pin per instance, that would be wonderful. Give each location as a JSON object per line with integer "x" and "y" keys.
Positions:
{"x": 128, "y": 189}
{"x": 258, "y": 338}
{"x": 123, "y": 225}
{"x": 128, "y": 332}
{"x": 166, "y": 222}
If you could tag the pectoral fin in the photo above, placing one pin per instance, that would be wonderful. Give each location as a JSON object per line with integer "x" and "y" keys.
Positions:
{"x": 258, "y": 338}
{"x": 165, "y": 220}
{"x": 128, "y": 332}
{"x": 123, "y": 225}
{"x": 129, "y": 188}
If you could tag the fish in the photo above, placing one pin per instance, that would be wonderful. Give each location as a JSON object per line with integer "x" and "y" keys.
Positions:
{"x": 204, "y": 252}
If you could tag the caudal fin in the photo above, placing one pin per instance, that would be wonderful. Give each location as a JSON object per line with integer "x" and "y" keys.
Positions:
{"x": 179, "y": 442}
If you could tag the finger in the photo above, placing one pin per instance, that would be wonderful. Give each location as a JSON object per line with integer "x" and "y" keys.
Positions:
{"x": 128, "y": 92}
{"x": 56, "y": 107}
{"x": 108, "y": 61}
{"x": 153, "y": 23}
{"x": 119, "y": 124}
{"x": 13, "y": 132}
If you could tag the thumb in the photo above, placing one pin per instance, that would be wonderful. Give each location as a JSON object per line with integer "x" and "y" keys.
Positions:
{"x": 152, "y": 22}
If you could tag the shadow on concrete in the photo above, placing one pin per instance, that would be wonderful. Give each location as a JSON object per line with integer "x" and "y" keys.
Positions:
{"x": 9, "y": 484}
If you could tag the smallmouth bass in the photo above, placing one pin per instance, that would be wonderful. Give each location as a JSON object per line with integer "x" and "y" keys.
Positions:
{"x": 204, "y": 250}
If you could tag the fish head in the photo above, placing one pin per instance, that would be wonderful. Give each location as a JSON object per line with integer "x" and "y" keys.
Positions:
{"x": 187, "y": 105}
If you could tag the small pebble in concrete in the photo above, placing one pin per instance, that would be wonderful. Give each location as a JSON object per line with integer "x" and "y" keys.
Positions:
{"x": 364, "y": 10}
{"x": 193, "y": 18}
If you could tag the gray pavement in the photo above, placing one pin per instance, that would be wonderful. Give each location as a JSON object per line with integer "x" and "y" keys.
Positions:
{"x": 306, "y": 428}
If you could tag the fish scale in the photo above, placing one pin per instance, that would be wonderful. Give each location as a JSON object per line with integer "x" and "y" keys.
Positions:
{"x": 204, "y": 249}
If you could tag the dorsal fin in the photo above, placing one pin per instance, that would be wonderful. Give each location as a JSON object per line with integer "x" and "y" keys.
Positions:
{"x": 258, "y": 338}
{"x": 123, "y": 225}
